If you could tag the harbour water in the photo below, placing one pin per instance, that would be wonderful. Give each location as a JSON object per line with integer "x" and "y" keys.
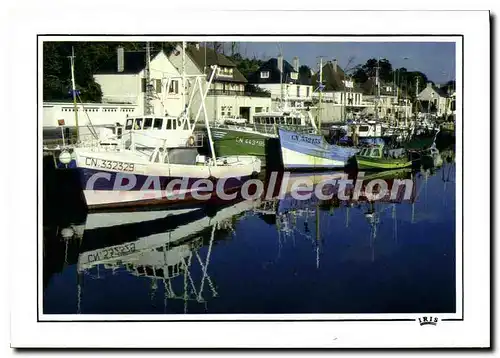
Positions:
{"x": 273, "y": 256}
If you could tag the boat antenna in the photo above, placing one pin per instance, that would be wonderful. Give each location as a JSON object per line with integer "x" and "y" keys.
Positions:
{"x": 377, "y": 82}
{"x": 73, "y": 90}
{"x": 320, "y": 92}
{"x": 280, "y": 66}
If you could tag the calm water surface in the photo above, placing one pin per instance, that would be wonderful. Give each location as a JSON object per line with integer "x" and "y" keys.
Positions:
{"x": 275, "y": 256}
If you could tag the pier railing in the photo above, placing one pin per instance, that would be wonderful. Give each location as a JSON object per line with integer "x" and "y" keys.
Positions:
{"x": 219, "y": 92}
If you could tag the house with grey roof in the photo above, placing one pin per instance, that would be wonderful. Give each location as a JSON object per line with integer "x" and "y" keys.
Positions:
{"x": 283, "y": 79}
{"x": 228, "y": 95}
{"x": 123, "y": 81}
{"x": 435, "y": 99}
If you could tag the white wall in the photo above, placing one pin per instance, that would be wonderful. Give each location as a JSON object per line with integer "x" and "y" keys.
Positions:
{"x": 99, "y": 113}
{"x": 127, "y": 88}
{"x": 215, "y": 104}
{"x": 275, "y": 89}
{"x": 119, "y": 88}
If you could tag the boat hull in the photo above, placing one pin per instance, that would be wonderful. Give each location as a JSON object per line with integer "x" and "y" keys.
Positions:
{"x": 367, "y": 163}
{"x": 228, "y": 141}
{"x": 146, "y": 183}
{"x": 311, "y": 152}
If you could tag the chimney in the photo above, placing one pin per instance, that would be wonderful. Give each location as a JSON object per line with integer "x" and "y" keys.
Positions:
{"x": 120, "y": 59}
{"x": 334, "y": 65}
{"x": 296, "y": 64}
{"x": 280, "y": 63}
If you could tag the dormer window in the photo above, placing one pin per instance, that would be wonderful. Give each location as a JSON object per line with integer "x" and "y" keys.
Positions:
{"x": 264, "y": 74}
{"x": 225, "y": 71}
{"x": 294, "y": 75}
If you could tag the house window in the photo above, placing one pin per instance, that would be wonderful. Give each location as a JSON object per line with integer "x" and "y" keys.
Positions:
{"x": 258, "y": 109}
{"x": 307, "y": 91}
{"x": 174, "y": 87}
{"x": 128, "y": 126}
{"x": 158, "y": 86}
{"x": 143, "y": 85}
{"x": 298, "y": 91}
{"x": 264, "y": 74}
{"x": 294, "y": 75}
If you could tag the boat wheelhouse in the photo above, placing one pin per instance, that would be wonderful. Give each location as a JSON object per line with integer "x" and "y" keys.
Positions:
{"x": 379, "y": 157}
{"x": 151, "y": 131}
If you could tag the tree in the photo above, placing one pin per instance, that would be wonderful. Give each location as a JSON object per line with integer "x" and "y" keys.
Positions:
{"x": 245, "y": 65}
{"x": 305, "y": 74}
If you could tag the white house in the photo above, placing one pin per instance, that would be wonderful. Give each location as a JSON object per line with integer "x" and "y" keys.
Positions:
{"x": 227, "y": 95}
{"x": 281, "y": 79}
{"x": 123, "y": 81}
{"x": 435, "y": 99}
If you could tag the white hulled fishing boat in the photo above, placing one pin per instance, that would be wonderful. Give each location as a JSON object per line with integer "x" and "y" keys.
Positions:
{"x": 149, "y": 170}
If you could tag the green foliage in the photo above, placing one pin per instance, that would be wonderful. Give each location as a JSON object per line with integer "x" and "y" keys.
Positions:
{"x": 88, "y": 57}
{"x": 404, "y": 79}
{"x": 246, "y": 66}
{"x": 362, "y": 73}
{"x": 305, "y": 74}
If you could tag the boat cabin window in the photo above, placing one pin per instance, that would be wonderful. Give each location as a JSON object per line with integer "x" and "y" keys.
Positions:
{"x": 283, "y": 120}
{"x": 363, "y": 151}
{"x": 138, "y": 123}
{"x": 171, "y": 123}
{"x": 268, "y": 120}
{"x": 158, "y": 123}
{"x": 128, "y": 125}
{"x": 119, "y": 132}
{"x": 148, "y": 123}
{"x": 289, "y": 121}
{"x": 376, "y": 152}
{"x": 364, "y": 128}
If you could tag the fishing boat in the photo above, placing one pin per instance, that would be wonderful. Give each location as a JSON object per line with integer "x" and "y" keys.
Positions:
{"x": 312, "y": 152}
{"x": 157, "y": 173}
{"x": 126, "y": 177}
{"x": 260, "y": 138}
{"x": 378, "y": 157}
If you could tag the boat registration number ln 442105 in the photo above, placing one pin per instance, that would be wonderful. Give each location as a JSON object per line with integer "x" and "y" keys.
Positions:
{"x": 109, "y": 164}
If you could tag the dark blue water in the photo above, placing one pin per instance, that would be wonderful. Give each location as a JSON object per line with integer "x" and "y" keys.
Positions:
{"x": 257, "y": 257}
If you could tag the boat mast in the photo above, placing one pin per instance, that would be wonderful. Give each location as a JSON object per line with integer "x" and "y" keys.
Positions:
{"x": 73, "y": 87}
{"x": 406, "y": 103}
{"x": 320, "y": 92}
{"x": 148, "y": 107}
{"x": 416, "y": 95}
{"x": 377, "y": 82}
{"x": 280, "y": 65}
{"x": 183, "y": 82}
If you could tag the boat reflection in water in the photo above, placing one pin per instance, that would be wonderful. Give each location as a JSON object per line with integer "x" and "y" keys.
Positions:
{"x": 236, "y": 257}
{"x": 301, "y": 218}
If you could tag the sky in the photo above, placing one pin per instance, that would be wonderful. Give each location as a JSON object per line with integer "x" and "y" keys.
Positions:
{"x": 435, "y": 59}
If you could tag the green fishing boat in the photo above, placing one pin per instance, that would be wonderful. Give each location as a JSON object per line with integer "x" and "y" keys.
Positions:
{"x": 378, "y": 157}
{"x": 260, "y": 138}
{"x": 246, "y": 141}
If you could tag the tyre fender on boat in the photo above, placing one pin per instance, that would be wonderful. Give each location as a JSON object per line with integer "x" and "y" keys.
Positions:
{"x": 191, "y": 141}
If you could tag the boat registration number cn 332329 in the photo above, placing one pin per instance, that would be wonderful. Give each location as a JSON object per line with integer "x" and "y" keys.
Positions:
{"x": 109, "y": 164}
